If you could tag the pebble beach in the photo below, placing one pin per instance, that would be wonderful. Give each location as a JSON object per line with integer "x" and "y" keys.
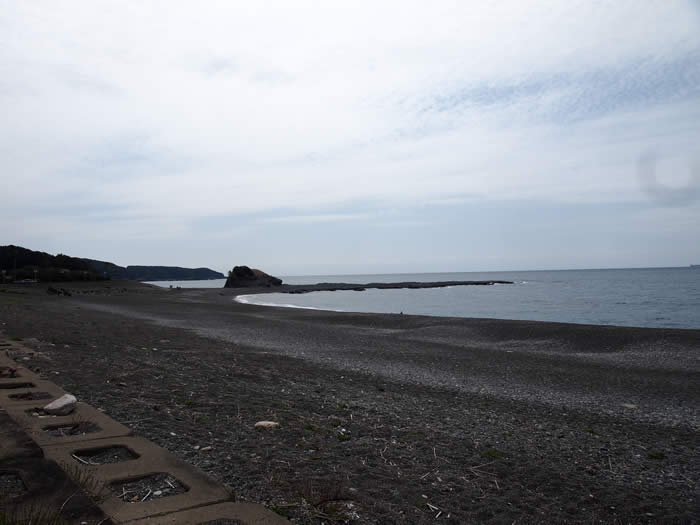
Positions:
{"x": 384, "y": 418}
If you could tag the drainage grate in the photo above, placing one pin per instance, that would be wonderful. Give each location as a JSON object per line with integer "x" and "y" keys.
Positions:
{"x": 30, "y": 396}
{"x": 6, "y": 386}
{"x": 146, "y": 488}
{"x": 11, "y": 486}
{"x": 72, "y": 429}
{"x": 222, "y": 522}
{"x": 102, "y": 456}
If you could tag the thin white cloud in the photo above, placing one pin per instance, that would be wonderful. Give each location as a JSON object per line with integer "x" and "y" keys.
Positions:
{"x": 175, "y": 111}
{"x": 313, "y": 219}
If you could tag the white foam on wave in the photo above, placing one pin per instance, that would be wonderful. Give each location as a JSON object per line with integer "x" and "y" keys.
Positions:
{"x": 245, "y": 299}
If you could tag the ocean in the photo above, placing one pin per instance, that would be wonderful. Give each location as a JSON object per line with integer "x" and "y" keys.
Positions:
{"x": 646, "y": 297}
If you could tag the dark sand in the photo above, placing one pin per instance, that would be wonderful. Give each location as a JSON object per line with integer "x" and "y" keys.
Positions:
{"x": 386, "y": 418}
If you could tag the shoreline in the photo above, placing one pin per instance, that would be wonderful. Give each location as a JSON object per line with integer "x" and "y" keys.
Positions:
{"x": 574, "y": 422}
{"x": 264, "y": 290}
{"x": 436, "y": 316}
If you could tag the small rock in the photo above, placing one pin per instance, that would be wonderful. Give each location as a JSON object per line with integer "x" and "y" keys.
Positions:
{"x": 158, "y": 493}
{"x": 266, "y": 424}
{"x": 629, "y": 405}
{"x": 173, "y": 434}
{"x": 196, "y": 447}
{"x": 62, "y": 406}
{"x": 205, "y": 449}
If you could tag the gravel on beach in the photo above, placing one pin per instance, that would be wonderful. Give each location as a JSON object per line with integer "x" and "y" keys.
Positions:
{"x": 384, "y": 418}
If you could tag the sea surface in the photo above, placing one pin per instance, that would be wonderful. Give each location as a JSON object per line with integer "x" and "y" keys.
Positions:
{"x": 647, "y": 297}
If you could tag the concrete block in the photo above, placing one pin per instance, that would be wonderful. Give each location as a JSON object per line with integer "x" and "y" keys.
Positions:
{"x": 246, "y": 513}
{"x": 201, "y": 490}
{"x": 38, "y": 427}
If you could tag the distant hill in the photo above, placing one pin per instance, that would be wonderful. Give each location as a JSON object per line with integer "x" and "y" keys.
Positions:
{"x": 21, "y": 263}
{"x": 154, "y": 273}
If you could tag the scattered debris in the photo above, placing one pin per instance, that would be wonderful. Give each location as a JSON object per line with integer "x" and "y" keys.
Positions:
{"x": 72, "y": 429}
{"x": 149, "y": 487}
{"x": 266, "y": 424}
{"x": 57, "y": 291}
{"x": 102, "y": 456}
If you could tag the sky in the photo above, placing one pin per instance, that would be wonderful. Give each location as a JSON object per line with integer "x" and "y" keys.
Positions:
{"x": 353, "y": 137}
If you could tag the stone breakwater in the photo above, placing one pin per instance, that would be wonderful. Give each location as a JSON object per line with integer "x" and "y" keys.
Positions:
{"x": 334, "y": 287}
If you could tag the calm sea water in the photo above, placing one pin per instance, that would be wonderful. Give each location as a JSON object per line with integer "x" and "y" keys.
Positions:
{"x": 652, "y": 297}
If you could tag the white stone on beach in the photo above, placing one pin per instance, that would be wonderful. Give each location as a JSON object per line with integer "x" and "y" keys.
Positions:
{"x": 62, "y": 406}
{"x": 267, "y": 424}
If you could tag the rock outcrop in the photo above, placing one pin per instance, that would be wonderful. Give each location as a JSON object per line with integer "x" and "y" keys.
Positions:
{"x": 244, "y": 277}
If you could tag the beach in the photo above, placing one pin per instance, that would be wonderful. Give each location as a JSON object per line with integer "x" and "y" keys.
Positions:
{"x": 384, "y": 418}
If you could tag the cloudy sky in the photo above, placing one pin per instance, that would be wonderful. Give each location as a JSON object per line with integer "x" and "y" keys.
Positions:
{"x": 330, "y": 137}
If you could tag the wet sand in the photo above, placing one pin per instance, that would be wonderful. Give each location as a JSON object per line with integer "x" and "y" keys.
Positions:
{"x": 386, "y": 418}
